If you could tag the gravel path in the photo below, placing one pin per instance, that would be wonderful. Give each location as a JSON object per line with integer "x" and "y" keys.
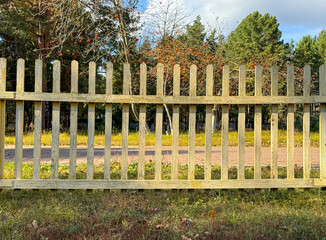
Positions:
{"x": 166, "y": 151}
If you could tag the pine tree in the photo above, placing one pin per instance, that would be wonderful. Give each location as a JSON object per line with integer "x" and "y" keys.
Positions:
{"x": 306, "y": 52}
{"x": 321, "y": 45}
{"x": 255, "y": 40}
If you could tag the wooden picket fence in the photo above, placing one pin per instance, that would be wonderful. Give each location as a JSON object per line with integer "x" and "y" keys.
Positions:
{"x": 19, "y": 96}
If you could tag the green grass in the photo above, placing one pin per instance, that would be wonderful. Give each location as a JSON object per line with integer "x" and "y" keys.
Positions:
{"x": 231, "y": 214}
{"x": 28, "y": 139}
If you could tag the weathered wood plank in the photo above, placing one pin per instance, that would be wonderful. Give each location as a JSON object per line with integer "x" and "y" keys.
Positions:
{"x": 19, "y": 119}
{"x": 274, "y": 124}
{"x": 322, "y": 122}
{"x": 91, "y": 122}
{"x": 3, "y": 76}
{"x": 241, "y": 124}
{"x": 290, "y": 124}
{"x": 137, "y": 99}
{"x": 225, "y": 124}
{"x": 73, "y": 121}
{"x": 125, "y": 122}
{"x": 159, "y": 184}
{"x": 258, "y": 122}
{"x": 142, "y": 123}
{"x": 37, "y": 121}
{"x": 55, "y": 121}
{"x": 306, "y": 124}
{"x": 108, "y": 122}
{"x": 208, "y": 123}
{"x": 175, "y": 123}
{"x": 159, "y": 123}
{"x": 192, "y": 124}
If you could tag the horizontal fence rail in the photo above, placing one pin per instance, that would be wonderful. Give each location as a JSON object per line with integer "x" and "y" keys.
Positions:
{"x": 126, "y": 99}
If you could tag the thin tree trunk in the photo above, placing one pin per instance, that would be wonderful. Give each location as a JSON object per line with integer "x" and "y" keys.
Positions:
{"x": 214, "y": 118}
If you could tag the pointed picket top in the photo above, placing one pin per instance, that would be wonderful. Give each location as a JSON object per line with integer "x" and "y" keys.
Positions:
{"x": 3, "y": 72}
{"x": 176, "y": 80}
{"x": 109, "y": 78}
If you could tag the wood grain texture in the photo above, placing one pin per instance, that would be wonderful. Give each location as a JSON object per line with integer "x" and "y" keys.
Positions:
{"x": 241, "y": 124}
{"x": 322, "y": 122}
{"x": 142, "y": 123}
{"x": 108, "y": 122}
{"x": 91, "y": 122}
{"x": 274, "y": 124}
{"x": 225, "y": 124}
{"x": 208, "y": 123}
{"x": 175, "y": 123}
{"x": 306, "y": 124}
{"x": 125, "y": 122}
{"x": 19, "y": 125}
{"x": 37, "y": 120}
{"x": 55, "y": 122}
{"x": 192, "y": 124}
{"x": 160, "y": 184}
{"x": 73, "y": 122}
{"x": 290, "y": 124}
{"x": 3, "y": 77}
{"x": 258, "y": 122}
{"x": 159, "y": 123}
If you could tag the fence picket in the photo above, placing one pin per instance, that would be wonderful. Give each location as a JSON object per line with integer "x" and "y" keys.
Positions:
{"x": 91, "y": 122}
{"x": 159, "y": 123}
{"x": 19, "y": 119}
{"x": 73, "y": 121}
{"x": 125, "y": 122}
{"x": 37, "y": 120}
{"x": 55, "y": 122}
{"x": 225, "y": 124}
{"x": 322, "y": 122}
{"x": 274, "y": 124}
{"x": 241, "y": 124}
{"x": 175, "y": 122}
{"x": 257, "y": 122}
{"x": 142, "y": 123}
{"x": 208, "y": 122}
{"x": 306, "y": 123}
{"x": 290, "y": 124}
{"x": 3, "y": 76}
{"x": 108, "y": 122}
{"x": 192, "y": 124}
{"x": 192, "y": 100}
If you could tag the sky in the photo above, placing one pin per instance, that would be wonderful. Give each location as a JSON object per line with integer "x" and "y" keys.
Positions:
{"x": 297, "y": 18}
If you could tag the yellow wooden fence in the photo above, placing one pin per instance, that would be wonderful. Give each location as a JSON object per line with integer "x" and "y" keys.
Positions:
{"x": 19, "y": 96}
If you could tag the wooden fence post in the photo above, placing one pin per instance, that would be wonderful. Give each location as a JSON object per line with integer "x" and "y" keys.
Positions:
{"x": 73, "y": 121}
{"x": 91, "y": 122}
{"x": 159, "y": 123}
{"x": 55, "y": 121}
{"x": 19, "y": 119}
{"x": 192, "y": 124}
{"x": 208, "y": 122}
{"x": 225, "y": 124}
{"x": 290, "y": 124}
{"x": 306, "y": 123}
{"x": 274, "y": 124}
{"x": 175, "y": 122}
{"x": 322, "y": 122}
{"x": 37, "y": 120}
{"x": 241, "y": 124}
{"x": 125, "y": 122}
{"x": 142, "y": 123}
{"x": 3, "y": 71}
{"x": 257, "y": 122}
{"x": 108, "y": 122}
